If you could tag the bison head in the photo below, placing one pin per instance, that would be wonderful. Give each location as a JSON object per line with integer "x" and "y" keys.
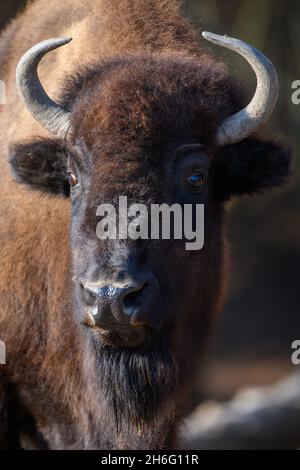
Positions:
{"x": 157, "y": 128}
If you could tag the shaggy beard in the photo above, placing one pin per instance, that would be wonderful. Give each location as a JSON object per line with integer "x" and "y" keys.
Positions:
{"x": 136, "y": 384}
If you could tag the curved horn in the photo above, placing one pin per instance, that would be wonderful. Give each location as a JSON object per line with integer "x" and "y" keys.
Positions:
{"x": 245, "y": 122}
{"x": 48, "y": 113}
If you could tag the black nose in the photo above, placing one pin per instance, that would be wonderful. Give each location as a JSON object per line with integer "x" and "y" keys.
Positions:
{"x": 133, "y": 302}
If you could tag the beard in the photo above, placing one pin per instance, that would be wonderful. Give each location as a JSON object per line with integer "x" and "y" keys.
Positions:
{"x": 136, "y": 385}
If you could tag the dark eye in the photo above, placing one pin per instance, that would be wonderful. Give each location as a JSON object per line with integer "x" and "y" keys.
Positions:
{"x": 72, "y": 180}
{"x": 196, "y": 181}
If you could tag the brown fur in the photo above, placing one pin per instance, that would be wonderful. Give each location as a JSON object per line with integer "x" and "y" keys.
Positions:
{"x": 134, "y": 71}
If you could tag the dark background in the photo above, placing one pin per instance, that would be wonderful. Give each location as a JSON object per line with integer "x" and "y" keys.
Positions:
{"x": 252, "y": 343}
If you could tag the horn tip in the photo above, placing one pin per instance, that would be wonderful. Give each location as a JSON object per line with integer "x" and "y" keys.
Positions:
{"x": 66, "y": 40}
{"x": 211, "y": 36}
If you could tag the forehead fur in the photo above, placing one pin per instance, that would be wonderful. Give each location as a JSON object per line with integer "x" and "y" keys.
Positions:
{"x": 150, "y": 100}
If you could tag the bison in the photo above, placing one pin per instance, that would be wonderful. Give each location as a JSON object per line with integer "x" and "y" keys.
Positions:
{"x": 104, "y": 337}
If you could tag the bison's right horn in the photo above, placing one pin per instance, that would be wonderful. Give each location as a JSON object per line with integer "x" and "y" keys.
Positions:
{"x": 49, "y": 114}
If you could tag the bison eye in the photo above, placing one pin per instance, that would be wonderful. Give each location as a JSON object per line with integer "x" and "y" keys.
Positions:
{"x": 72, "y": 180}
{"x": 196, "y": 181}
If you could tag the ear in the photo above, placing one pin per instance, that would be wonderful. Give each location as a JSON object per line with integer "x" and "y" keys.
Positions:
{"x": 41, "y": 165}
{"x": 251, "y": 166}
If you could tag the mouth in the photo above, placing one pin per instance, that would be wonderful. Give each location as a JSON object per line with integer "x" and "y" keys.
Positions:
{"x": 120, "y": 336}
{"x": 124, "y": 337}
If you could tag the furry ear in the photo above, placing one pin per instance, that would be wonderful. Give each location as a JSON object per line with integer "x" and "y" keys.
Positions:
{"x": 41, "y": 165}
{"x": 251, "y": 166}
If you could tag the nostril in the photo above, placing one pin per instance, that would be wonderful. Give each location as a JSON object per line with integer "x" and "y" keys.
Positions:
{"x": 135, "y": 299}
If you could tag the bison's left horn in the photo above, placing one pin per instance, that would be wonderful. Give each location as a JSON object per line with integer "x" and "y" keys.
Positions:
{"x": 49, "y": 114}
{"x": 245, "y": 122}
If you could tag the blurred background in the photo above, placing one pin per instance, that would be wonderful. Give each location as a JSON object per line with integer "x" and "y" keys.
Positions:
{"x": 251, "y": 346}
